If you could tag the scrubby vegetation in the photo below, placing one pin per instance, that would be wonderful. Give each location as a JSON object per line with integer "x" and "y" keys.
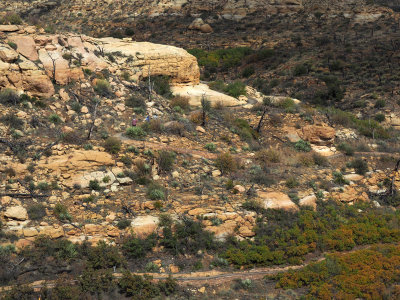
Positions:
{"x": 367, "y": 274}
{"x": 287, "y": 237}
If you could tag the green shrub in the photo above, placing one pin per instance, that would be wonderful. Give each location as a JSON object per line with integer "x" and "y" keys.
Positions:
{"x": 380, "y": 117}
{"x": 103, "y": 88}
{"x": 11, "y": 18}
{"x": 165, "y": 160}
{"x": 226, "y": 163}
{"x": 346, "y": 148}
{"x": 161, "y": 86}
{"x": 9, "y": 96}
{"x": 13, "y": 121}
{"x": 103, "y": 256}
{"x": 135, "y": 132}
{"x": 138, "y": 287}
{"x": 288, "y": 105}
{"x": 123, "y": 223}
{"x": 134, "y": 247}
{"x": 136, "y": 101}
{"x": 96, "y": 282}
{"x": 302, "y": 146}
{"x": 360, "y": 166}
{"x": 244, "y": 130}
{"x": 61, "y": 212}
{"x": 380, "y": 103}
{"x": 76, "y": 106}
{"x": 55, "y": 119}
{"x": 320, "y": 160}
{"x": 126, "y": 160}
{"x": 248, "y": 71}
{"x": 339, "y": 179}
{"x": 94, "y": 185}
{"x": 291, "y": 182}
{"x": 156, "y": 192}
{"x": 235, "y": 89}
{"x": 301, "y": 69}
{"x": 188, "y": 237}
{"x": 210, "y": 147}
{"x": 112, "y": 145}
{"x": 43, "y": 186}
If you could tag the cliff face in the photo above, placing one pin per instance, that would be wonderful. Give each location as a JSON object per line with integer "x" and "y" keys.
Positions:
{"x": 30, "y": 60}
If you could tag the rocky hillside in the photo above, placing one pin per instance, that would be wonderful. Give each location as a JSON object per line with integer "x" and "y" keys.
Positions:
{"x": 121, "y": 157}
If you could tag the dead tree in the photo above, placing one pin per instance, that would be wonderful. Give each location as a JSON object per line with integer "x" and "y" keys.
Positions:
{"x": 93, "y": 120}
{"x": 266, "y": 103}
{"x": 392, "y": 190}
{"x": 151, "y": 85}
{"x": 53, "y": 61}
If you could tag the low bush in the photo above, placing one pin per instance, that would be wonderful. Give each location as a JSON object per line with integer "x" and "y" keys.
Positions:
{"x": 180, "y": 101}
{"x": 61, "y": 212}
{"x": 112, "y": 145}
{"x": 103, "y": 88}
{"x": 123, "y": 223}
{"x": 9, "y": 97}
{"x": 302, "y": 146}
{"x": 11, "y": 18}
{"x": 94, "y": 185}
{"x": 12, "y": 121}
{"x": 380, "y": 103}
{"x": 162, "y": 86}
{"x": 135, "y": 132}
{"x": 143, "y": 287}
{"x": 359, "y": 165}
{"x": 55, "y": 119}
{"x": 338, "y": 178}
{"x": 156, "y": 192}
{"x": 165, "y": 160}
{"x": 136, "y": 101}
{"x": 188, "y": 237}
{"x": 291, "y": 182}
{"x": 210, "y": 147}
{"x": 364, "y": 274}
{"x": 346, "y": 149}
{"x": 134, "y": 247}
{"x": 320, "y": 160}
{"x": 226, "y": 163}
{"x": 268, "y": 156}
{"x": 380, "y": 117}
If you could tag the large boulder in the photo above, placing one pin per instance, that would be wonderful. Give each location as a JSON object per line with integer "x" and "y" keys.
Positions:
{"x": 154, "y": 59}
{"x": 16, "y": 213}
{"x": 277, "y": 200}
{"x": 196, "y": 92}
{"x": 198, "y": 24}
{"x": 318, "y": 134}
{"x": 144, "y": 225}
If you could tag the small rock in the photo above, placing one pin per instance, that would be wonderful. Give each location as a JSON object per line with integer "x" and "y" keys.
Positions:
{"x": 239, "y": 189}
{"x": 200, "y": 129}
{"x": 216, "y": 173}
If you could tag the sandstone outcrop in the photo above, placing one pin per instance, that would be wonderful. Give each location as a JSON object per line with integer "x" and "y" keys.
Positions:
{"x": 318, "y": 134}
{"x": 277, "y": 200}
{"x": 196, "y": 92}
{"x": 38, "y": 59}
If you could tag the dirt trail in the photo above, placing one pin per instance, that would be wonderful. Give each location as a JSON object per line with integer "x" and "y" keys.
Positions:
{"x": 213, "y": 277}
